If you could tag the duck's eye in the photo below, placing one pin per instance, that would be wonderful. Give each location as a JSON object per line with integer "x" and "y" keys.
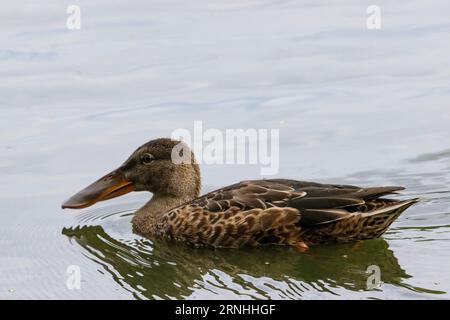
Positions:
{"x": 147, "y": 158}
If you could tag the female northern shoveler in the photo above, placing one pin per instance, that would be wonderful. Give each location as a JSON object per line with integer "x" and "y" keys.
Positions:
{"x": 275, "y": 211}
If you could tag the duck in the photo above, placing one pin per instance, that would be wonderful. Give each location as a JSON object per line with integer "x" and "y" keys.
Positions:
{"x": 249, "y": 213}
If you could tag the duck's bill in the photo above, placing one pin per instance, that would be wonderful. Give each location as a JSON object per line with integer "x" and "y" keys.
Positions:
{"x": 110, "y": 186}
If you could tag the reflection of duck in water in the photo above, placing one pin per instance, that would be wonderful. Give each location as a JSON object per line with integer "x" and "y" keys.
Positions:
{"x": 277, "y": 211}
{"x": 170, "y": 270}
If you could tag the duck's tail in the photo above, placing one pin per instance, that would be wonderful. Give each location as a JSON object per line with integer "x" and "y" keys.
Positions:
{"x": 363, "y": 225}
{"x": 375, "y": 223}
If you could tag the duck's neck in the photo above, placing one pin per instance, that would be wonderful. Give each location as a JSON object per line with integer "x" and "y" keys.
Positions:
{"x": 160, "y": 204}
{"x": 182, "y": 186}
{"x": 145, "y": 218}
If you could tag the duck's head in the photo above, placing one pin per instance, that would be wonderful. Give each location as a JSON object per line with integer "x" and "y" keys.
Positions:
{"x": 163, "y": 166}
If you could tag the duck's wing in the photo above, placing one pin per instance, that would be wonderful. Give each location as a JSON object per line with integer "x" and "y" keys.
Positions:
{"x": 324, "y": 203}
{"x": 316, "y": 202}
{"x": 252, "y": 194}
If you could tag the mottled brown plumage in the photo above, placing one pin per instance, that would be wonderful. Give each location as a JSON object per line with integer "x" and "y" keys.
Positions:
{"x": 249, "y": 213}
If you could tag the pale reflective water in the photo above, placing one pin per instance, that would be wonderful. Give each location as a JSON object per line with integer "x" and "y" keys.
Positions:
{"x": 353, "y": 106}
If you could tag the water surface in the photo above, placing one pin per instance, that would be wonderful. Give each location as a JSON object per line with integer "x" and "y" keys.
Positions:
{"x": 358, "y": 106}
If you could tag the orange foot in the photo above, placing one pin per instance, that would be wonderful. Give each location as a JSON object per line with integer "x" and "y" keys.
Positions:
{"x": 300, "y": 246}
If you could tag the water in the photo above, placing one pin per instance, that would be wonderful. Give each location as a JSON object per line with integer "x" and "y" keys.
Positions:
{"x": 359, "y": 106}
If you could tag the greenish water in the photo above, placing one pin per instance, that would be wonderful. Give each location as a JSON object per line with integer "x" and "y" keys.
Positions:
{"x": 352, "y": 106}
